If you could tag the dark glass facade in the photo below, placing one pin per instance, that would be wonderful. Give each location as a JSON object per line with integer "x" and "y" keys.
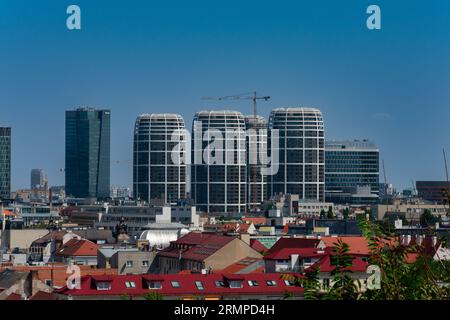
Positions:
{"x": 88, "y": 153}
{"x": 301, "y": 153}
{"x": 256, "y": 142}
{"x": 434, "y": 191}
{"x": 159, "y": 167}
{"x": 348, "y": 165}
{"x": 5, "y": 163}
{"x": 219, "y": 187}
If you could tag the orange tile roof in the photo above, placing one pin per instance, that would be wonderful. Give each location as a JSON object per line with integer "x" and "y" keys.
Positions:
{"x": 255, "y": 220}
{"x": 78, "y": 247}
{"x": 358, "y": 245}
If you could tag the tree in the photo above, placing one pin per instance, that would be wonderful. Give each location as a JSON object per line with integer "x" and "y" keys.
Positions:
{"x": 346, "y": 213}
{"x": 153, "y": 295}
{"x": 330, "y": 214}
{"x": 322, "y": 214}
{"x": 427, "y": 218}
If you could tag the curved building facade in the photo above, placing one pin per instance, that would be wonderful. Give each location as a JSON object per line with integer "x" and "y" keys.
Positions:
{"x": 159, "y": 140}
{"x": 219, "y": 172}
{"x": 301, "y": 153}
{"x": 256, "y": 142}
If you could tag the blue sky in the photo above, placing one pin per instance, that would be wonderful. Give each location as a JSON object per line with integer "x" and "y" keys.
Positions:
{"x": 391, "y": 86}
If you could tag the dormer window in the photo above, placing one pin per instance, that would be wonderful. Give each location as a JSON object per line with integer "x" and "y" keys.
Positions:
{"x": 103, "y": 285}
{"x": 154, "y": 285}
{"x": 234, "y": 284}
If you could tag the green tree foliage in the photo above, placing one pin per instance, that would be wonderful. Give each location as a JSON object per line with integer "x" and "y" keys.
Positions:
{"x": 427, "y": 218}
{"x": 330, "y": 214}
{"x": 153, "y": 295}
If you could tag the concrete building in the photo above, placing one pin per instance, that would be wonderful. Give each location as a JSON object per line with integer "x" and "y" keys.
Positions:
{"x": 202, "y": 251}
{"x": 219, "y": 169}
{"x": 301, "y": 153}
{"x": 5, "y": 163}
{"x": 125, "y": 260}
{"x": 349, "y": 167}
{"x": 411, "y": 210}
{"x": 88, "y": 142}
{"x": 159, "y": 161}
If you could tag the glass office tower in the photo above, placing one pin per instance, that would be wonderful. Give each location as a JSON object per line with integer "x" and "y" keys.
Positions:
{"x": 159, "y": 167}
{"x": 256, "y": 142}
{"x": 5, "y": 163}
{"x": 301, "y": 153}
{"x": 351, "y": 171}
{"x": 88, "y": 153}
{"x": 36, "y": 179}
{"x": 219, "y": 172}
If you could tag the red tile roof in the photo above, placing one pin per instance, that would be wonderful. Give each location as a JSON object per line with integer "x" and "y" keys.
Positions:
{"x": 187, "y": 285}
{"x": 324, "y": 265}
{"x": 255, "y": 220}
{"x": 196, "y": 246}
{"x": 284, "y": 247}
{"x": 258, "y": 246}
{"x": 286, "y": 253}
{"x": 14, "y": 296}
{"x": 41, "y": 295}
{"x": 78, "y": 247}
{"x": 238, "y": 267}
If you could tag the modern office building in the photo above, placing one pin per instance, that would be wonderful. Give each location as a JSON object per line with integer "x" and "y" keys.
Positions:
{"x": 159, "y": 166}
{"x": 36, "y": 179}
{"x": 219, "y": 171}
{"x": 5, "y": 163}
{"x": 256, "y": 143}
{"x": 300, "y": 153}
{"x": 434, "y": 191}
{"x": 88, "y": 153}
{"x": 351, "y": 171}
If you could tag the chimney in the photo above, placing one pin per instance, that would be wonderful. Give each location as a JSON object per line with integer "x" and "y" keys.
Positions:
{"x": 245, "y": 237}
{"x": 434, "y": 240}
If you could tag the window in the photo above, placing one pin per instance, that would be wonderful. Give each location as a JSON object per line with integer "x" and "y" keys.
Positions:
{"x": 129, "y": 264}
{"x": 220, "y": 284}
{"x": 130, "y": 284}
{"x": 199, "y": 285}
{"x": 235, "y": 284}
{"x": 154, "y": 285}
{"x": 271, "y": 283}
{"x": 49, "y": 282}
{"x": 253, "y": 283}
{"x": 103, "y": 286}
{"x": 145, "y": 263}
{"x": 175, "y": 284}
{"x": 288, "y": 283}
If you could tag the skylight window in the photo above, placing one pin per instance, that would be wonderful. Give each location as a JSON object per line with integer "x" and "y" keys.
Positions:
{"x": 199, "y": 285}
{"x": 130, "y": 284}
{"x": 220, "y": 284}
{"x": 253, "y": 283}
{"x": 271, "y": 283}
{"x": 175, "y": 284}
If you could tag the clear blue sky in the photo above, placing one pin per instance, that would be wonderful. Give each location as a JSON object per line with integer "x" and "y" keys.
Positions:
{"x": 391, "y": 86}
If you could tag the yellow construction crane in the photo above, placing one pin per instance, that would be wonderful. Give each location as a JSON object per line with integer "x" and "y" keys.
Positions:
{"x": 254, "y": 97}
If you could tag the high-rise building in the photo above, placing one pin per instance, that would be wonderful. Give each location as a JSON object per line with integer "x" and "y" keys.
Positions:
{"x": 219, "y": 171}
{"x": 5, "y": 163}
{"x": 433, "y": 191}
{"x": 256, "y": 143}
{"x": 351, "y": 171}
{"x": 36, "y": 179}
{"x": 88, "y": 153}
{"x": 301, "y": 153}
{"x": 159, "y": 167}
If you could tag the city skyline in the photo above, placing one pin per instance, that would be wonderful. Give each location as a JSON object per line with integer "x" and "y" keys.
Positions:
{"x": 387, "y": 86}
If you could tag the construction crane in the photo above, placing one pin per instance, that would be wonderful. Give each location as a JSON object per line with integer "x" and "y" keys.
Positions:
{"x": 446, "y": 192}
{"x": 254, "y": 97}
